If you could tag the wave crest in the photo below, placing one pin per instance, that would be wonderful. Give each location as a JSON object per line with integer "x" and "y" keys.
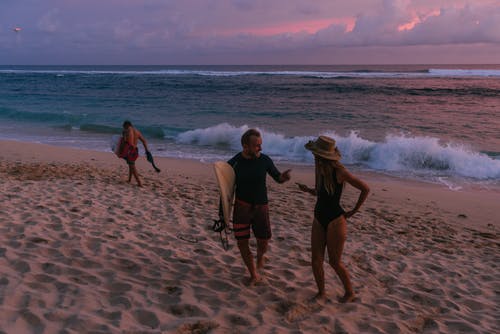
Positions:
{"x": 396, "y": 153}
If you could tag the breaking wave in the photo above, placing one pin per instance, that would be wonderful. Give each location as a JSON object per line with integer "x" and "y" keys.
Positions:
{"x": 396, "y": 153}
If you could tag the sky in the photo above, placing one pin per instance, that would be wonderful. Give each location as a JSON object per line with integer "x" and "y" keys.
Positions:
{"x": 254, "y": 32}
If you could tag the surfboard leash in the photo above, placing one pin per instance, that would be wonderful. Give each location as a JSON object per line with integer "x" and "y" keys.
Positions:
{"x": 220, "y": 226}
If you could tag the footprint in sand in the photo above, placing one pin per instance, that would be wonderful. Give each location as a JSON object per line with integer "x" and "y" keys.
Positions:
{"x": 186, "y": 311}
{"x": 475, "y": 305}
{"x": 120, "y": 301}
{"x": 14, "y": 244}
{"x": 201, "y": 326}
{"x": 32, "y": 321}
{"x": 115, "y": 317}
{"x": 166, "y": 299}
{"x": 21, "y": 266}
{"x": 86, "y": 279}
{"x": 238, "y": 320}
{"x": 218, "y": 285}
{"x": 94, "y": 244}
{"x": 44, "y": 278}
{"x": 146, "y": 318}
{"x": 388, "y": 302}
{"x": 459, "y": 327}
{"x": 293, "y": 311}
{"x": 129, "y": 266}
{"x": 51, "y": 268}
{"x": 119, "y": 288}
{"x": 303, "y": 263}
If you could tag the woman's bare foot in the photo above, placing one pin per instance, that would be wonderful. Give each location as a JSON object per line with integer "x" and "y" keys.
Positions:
{"x": 319, "y": 297}
{"x": 254, "y": 280}
{"x": 347, "y": 298}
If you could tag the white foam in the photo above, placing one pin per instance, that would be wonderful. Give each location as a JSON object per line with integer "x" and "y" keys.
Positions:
{"x": 396, "y": 153}
{"x": 464, "y": 72}
{"x": 221, "y": 135}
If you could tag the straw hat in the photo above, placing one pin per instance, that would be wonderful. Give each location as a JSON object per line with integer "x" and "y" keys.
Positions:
{"x": 324, "y": 147}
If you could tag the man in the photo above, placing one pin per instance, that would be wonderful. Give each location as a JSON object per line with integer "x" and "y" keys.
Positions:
{"x": 251, "y": 205}
{"x": 130, "y": 151}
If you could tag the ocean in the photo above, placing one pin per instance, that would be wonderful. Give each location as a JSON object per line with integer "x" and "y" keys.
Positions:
{"x": 433, "y": 123}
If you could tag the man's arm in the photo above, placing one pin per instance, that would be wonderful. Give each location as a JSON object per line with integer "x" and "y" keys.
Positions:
{"x": 275, "y": 174}
{"x": 285, "y": 176}
{"x": 143, "y": 140}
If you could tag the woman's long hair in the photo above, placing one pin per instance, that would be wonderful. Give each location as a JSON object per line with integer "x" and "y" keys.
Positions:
{"x": 324, "y": 174}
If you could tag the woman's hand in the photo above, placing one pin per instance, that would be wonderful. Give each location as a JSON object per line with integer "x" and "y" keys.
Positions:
{"x": 305, "y": 188}
{"x": 302, "y": 187}
{"x": 349, "y": 214}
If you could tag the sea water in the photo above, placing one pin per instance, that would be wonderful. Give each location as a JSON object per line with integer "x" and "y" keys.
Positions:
{"x": 433, "y": 122}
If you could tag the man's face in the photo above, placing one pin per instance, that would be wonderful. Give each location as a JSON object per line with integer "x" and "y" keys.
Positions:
{"x": 254, "y": 147}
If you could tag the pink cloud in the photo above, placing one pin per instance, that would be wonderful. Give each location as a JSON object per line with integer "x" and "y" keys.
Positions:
{"x": 418, "y": 19}
{"x": 309, "y": 27}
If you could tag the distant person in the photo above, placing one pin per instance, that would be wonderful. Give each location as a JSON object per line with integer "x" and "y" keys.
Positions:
{"x": 251, "y": 204}
{"x": 329, "y": 229}
{"x": 130, "y": 151}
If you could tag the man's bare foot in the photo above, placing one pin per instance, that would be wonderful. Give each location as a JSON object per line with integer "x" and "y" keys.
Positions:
{"x": 254, "y": 280}
{"x": 319, "y": 297}
{"x": 347, "y": 298}
{"x": 260, "y": 262}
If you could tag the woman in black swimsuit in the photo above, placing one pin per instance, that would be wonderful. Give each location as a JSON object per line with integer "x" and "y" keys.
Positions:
{"x": 329, "y": 228}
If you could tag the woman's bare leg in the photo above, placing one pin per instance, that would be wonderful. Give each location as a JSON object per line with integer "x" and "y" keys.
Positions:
{"x": 336, "y": 237}
{"x": 318, "y": 244}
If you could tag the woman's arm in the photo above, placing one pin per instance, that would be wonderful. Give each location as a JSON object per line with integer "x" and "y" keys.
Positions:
{"x": 306, "y": 189}
{"x": 358, "y": 184}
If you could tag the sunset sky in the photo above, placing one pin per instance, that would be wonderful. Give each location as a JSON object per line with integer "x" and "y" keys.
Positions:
{"x": 249, "y": 32}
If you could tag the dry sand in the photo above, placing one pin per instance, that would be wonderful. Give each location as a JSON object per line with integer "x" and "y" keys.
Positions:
{"x": 83, "y": 251}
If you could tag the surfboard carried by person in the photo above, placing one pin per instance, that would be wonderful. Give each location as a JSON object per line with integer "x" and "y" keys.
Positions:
{"x": 226, "y": 179}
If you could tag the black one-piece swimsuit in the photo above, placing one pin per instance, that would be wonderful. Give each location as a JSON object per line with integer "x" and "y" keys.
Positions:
{"x": 328, "y": 206}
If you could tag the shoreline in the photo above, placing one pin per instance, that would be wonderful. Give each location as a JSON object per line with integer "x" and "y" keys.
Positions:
{"x": 452, "y": 182}
{"x": 83, "y": 250}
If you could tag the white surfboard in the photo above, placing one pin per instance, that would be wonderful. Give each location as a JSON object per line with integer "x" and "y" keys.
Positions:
{"x": 226, "y": 179}
{"x": 115, "y": 144}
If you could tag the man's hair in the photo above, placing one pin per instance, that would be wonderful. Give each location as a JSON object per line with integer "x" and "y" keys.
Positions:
{"x": 126, "y": 124}
{"x": 245, "y": 139}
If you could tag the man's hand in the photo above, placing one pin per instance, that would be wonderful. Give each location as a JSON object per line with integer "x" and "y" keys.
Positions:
{"x": 285, "y": 176}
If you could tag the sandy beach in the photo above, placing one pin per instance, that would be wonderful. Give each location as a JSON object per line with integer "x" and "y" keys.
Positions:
{"x": 83, "y": 251}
